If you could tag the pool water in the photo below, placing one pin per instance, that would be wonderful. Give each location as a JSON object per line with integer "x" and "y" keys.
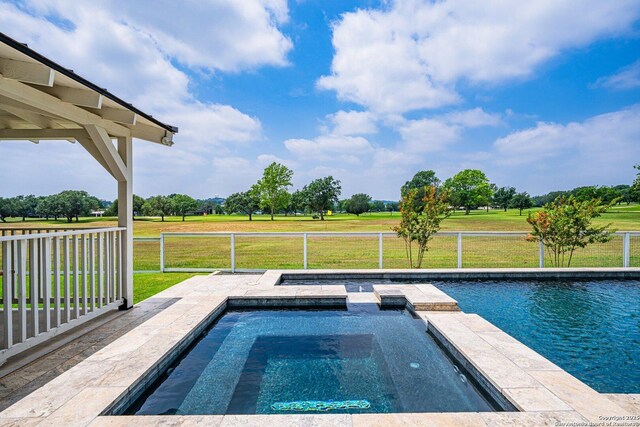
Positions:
{"x": 591, "y": 329}
{"x": 358, "y": 360}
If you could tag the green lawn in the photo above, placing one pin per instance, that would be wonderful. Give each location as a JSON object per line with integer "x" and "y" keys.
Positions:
{"x": 146, "y": 285}
{"x": 343, "y": 252}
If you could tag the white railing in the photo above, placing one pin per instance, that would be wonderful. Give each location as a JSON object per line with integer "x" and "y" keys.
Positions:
{"x": 53, "y": 281}
{"x": 462, "y": 248}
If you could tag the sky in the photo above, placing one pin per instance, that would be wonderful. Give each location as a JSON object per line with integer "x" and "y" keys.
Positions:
{"x": 540, "y": 95}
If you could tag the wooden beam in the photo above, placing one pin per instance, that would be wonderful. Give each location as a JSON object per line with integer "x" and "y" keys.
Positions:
{"x": 27, "y": 72}
{"x": 42, "y": 134}
{"x": 150, "y": 133}
{"x": 80, "y": 97}
{"x": 28, "y": 116}
{"x": 51, "y": 105}
{"x": 105, "y": 146}
{"x": 117, "y": 115}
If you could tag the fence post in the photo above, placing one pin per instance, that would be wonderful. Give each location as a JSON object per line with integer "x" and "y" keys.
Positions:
{"x": 162, "y": 252}
{"x": 625, "y": 250}
{"x": 541, "y": 254}
{"x": 233, "y": 253}
{"x": 459, "y": 250}
{"x": 304, "y": 251}
{"x": 380, "y": 251}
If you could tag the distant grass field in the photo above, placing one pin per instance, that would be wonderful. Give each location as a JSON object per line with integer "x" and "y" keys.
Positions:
{"x": 621, "y": 217}
{"x": 352, "y": 252}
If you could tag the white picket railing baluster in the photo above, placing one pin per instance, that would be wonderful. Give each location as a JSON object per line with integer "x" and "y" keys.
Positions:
{"x": 100, "y": 270}
{"x": 76, "y": 279}
{"x": 21, "y": 276}
{"x": 7, "y": 300}
{"x": 34, "y": 265}
{"x": 67, "y": 279}
{"x": 56, "y": 281}
{"x": 49, "y": 282}
{"x": 45, "y": 279}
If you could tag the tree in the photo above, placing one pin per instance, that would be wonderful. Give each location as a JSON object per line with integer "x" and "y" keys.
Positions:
{"x": 157, "y": 206}
{"x": 419, "y": 222}
{"x": 392, "y": 207}
{"x": 521, "y": 201}
{"x": 25, "y": 206}
{"x": 377, "y": 206}
{"x": 246, "y": 203}
{"x": 565, "y": 225}
{"x": 297, "y": 202}
{"x": 420, "y": 181}
{"x": 138, "y": 203}
{"x": 502, "y": 197}
{"x": 7, "y": 208}
{"x": 634, "y": 191}
{"x": 272, "y": 187}
{"x": 48, "y": 206}
{"x": 469, "y": 188}
{"x": 181, "y": 204}
{"x": 74, "y": 204}
{"x": 358, "y": 203}
{"x": 321, "y": 194}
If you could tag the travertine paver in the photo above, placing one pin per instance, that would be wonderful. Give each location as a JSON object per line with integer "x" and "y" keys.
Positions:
{"x": 419, "y": 297}
{"x": 24, "y": 380}
{"x": 629, "y": 402}
{"x": 362, "y": 297}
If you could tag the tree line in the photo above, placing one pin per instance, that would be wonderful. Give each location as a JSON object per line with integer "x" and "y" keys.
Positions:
{"x": 468, "y": 189}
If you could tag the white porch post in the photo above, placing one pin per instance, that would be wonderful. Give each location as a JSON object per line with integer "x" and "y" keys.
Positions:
{"x": 125, "y": 219}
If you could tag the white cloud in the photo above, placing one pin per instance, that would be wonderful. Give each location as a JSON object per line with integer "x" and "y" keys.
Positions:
{"x": 600, "y": 150}
{"x": 325, "y": 147}
{"x": 475, "y": 117}
{"x": 224, "y": 35}
{"x": 626, "y": 78}
{"x": 353, "y": 122}
{"x": 428, "y": 135}
{"x": 410, "y": 55}
{"x": 134, "y": 56}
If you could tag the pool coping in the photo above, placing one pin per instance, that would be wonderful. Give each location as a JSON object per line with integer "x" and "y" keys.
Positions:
{"x": 79, "y": 396}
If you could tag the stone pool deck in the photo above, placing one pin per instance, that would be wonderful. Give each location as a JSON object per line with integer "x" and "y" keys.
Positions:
{"x": 114, "y": 368}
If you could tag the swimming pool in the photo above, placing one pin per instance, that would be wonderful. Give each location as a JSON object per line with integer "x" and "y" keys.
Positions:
{"x": 357, "y": 360}
{"x": 590, "y": 328}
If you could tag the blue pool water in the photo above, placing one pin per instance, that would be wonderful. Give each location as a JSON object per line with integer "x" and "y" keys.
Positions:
{"x": 287, "y": 361}
{"x": 589, "y": 328}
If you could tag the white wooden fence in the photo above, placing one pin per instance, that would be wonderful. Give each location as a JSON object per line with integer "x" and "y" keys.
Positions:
{"x": 461, "y": 252}
{"x": 53, "y": 281}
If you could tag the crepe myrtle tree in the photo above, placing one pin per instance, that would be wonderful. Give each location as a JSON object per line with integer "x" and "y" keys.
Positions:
{"x": 272, "y": 187}
{"x": 566, "y": 225}
{"x": 420, "y": 221}
{"x": 419, "y": 182}
{"x": 321, "y": 194}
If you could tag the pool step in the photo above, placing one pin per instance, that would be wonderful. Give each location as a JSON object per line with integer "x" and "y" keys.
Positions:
{"x": 421, "y": 297}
